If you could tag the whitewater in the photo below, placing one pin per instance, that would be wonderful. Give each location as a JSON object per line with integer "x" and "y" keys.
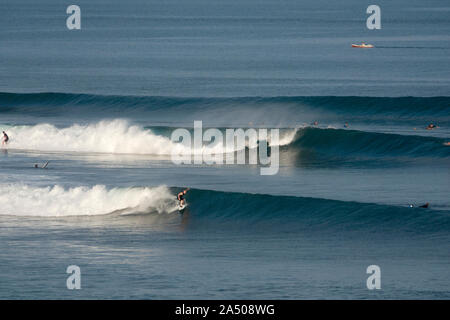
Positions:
{"x": 111, "y": 136}
{"x": 56, "y": 201}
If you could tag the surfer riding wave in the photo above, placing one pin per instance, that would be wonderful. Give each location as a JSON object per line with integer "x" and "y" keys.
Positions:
{"x": 5, "y": 138}
{"x": 180, "y": 197}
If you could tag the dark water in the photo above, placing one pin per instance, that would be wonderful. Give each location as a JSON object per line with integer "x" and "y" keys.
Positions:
{"x": 101, "y": 103}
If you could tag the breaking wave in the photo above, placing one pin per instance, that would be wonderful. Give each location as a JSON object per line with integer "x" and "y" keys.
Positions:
{"x": 212, "y": 207}
{"x": 109, "y": 136}
{"x": 56, "y": 201}
{"x": 121, "y": 137}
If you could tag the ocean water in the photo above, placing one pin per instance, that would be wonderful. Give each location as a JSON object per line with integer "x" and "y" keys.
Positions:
{"x": 100, "y": 104}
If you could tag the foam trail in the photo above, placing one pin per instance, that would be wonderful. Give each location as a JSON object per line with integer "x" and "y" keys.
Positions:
{"x": 56, "y": 201}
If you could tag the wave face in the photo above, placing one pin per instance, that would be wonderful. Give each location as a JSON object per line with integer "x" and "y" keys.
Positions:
{"x": 214, "y": 206}
{"x": 311, "y": 214}
{"x": 274, "y": 111}
{"x": 55, "y": 201}
{"x": 352, "y": 142}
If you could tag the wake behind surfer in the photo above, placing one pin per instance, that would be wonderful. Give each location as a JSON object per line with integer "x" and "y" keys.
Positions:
{"x": 5, "y": 138}
{"x": 180, "y": 197}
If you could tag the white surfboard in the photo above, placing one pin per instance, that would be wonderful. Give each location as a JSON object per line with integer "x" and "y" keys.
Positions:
{"x": 182, "y": 207}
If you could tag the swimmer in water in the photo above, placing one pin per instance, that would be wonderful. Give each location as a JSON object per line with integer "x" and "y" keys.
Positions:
{"x": 36, "y": 166}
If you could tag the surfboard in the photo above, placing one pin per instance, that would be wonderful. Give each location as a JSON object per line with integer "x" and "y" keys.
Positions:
{"x": 362, "y": 45}
{"x": 182, "y": 207}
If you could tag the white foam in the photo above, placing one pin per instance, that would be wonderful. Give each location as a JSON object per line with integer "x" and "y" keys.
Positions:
{"x": 115, "y": 136}
{"x": 288, "y": 137}
{"x": 112, "y": 136}
{"x": 54, "y": 201}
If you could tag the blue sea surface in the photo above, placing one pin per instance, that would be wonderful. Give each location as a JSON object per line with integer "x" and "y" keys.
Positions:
{"x": 356, "y": 159}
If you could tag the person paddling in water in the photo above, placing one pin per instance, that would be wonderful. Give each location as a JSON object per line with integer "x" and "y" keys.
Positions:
{"x": 181, "y": 195}
{"x": 5, "y": 138}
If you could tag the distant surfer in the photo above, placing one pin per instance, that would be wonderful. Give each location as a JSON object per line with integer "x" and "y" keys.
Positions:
{"x": 431, "y": 126}
{"x": 425, "y": 206}
{"x": 43, "y": 167}
{"x": 5, "y": 138}
{"x": 346, "y": 125}
{"x": 181, "y": 195}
